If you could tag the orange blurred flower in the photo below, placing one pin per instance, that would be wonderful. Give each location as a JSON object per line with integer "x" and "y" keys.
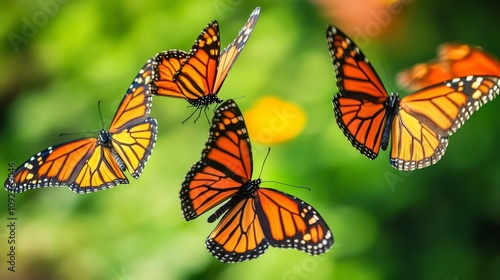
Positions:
{"x": 272, "y": 120}
{"x": 362, "y": 19}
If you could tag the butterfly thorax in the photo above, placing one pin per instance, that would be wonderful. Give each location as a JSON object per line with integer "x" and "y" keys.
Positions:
{"x": 104, "y": 139}
{"x": 205, "y": 101}
{"x": 247, "y": 190}
{"x": 392, "y": 106}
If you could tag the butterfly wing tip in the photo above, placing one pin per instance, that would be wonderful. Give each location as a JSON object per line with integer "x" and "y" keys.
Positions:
{"x": 189, "y": 216}
{"x": 10, "y": 188}
{"x": 13, "y": 190}
{"x": 137, "y": 173}
{"x": 372, "y": 156}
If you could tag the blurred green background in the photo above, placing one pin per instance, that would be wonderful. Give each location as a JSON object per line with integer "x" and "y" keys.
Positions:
{"x": 442, "y": 222}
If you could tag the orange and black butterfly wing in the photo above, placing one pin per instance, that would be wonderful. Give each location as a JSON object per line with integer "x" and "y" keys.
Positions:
{"x": 133, "y": 133}
{"x": 429, "y": 116}
{"x": 360, "y": 105}
{"x": 168, "y": 63}
{"x": 135, "y": 144}
{"x": 289, "y": 222}
{"x": 238, "y": 236}
{"x": 135, "y": 106}
{"x": 423, "y": 75}
{"x": 454, "y": 60}
{"x": 197, "y": 73}
{"x": 83, "y": 165}
{"x": 225, "y": 165}
{"x": 229, "y": 55}
{"x": 464, "y": 60}
{"x": 414, "y": 144}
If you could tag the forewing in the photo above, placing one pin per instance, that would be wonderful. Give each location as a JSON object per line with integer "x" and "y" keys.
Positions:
{"x": 136, "y": 104}
{"x": 229, "y": 55}
{"x": 226, "y": 163}
{"x": 429, "y": 116}
{"x": 81, "y": 164}
{"x": 168, "y": 63}
{"x": 196, "y": 76}
{"x": 360, "y": 105}
{"x": 445, "y": 107}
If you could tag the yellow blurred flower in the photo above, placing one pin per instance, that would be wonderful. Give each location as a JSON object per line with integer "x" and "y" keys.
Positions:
{"x": 272, "y": 120}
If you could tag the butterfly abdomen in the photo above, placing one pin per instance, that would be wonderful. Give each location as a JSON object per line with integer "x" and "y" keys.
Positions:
{"x": 118, "y": 160}
{"x": 219, "y": 212}
{"x": 104, "y": 139}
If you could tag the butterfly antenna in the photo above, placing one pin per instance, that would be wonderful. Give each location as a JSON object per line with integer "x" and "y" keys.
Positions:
{"x": 75, "y": 133}
{"x": 264, "y": 162}
{"x": 100, "y": 113}
{"x": 100, "y": 116}
{"x": 242, "y": 96}
{"x": 384, "y": 75}
{"x": 290, "y": 185}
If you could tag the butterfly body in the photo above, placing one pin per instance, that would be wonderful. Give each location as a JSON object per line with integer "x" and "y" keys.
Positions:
{"x": 391, "y": 106}
{"x": 104, "y": 139}
{"x": 418, "y": 125}
{"x": 253, "y": 217}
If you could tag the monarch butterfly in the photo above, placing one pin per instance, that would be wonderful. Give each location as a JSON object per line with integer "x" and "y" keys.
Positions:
{"x": 254, "y": 217}
{"x": 420, "y": 123}
{"x": 197, "y": 76}
{"x": 92, "y": 164}
{"x": 454, "y": 60}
